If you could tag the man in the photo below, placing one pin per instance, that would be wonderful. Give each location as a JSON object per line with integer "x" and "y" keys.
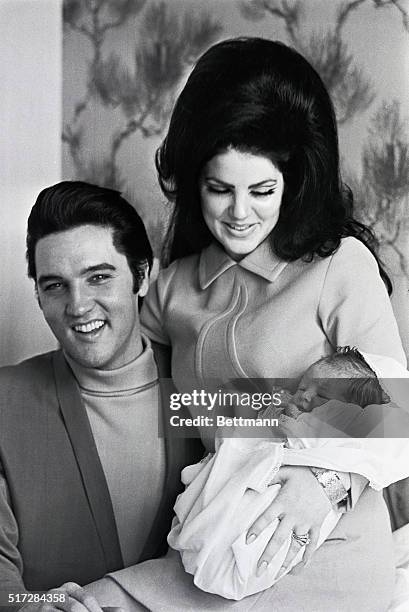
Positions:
{"x": 86, "y": 484}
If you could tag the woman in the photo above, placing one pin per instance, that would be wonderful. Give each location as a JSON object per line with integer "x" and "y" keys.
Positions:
{"x": 269, "y": 272}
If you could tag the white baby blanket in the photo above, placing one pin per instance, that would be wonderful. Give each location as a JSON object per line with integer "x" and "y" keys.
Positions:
{"x": 224, "y": 495}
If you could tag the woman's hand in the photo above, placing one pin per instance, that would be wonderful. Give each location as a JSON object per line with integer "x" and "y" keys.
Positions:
{"x": 301, "y": 506}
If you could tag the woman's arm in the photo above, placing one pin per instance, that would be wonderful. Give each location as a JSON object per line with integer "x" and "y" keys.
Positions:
{"x": 354, "y": 307}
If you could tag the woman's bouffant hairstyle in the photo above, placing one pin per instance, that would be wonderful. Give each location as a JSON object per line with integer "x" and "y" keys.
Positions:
{"x": 259, "y": 96}
{"x": 70, "y": 204}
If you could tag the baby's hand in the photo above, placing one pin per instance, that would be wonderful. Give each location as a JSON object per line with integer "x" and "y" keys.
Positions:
{"x": 285, "y": 397}
{"x": 286, "y": 406}
{"x": 291, "y": 410}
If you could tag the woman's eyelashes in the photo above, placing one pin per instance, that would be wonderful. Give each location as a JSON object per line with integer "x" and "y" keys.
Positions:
{"x": 260, "y": 194}
{"x": 220, "y": 190}
{"x": 255, "y": 193}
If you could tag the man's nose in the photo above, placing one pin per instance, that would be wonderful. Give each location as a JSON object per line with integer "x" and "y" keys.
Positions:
{"x": 79, "y": 302}
{"x": 239, "y": 208}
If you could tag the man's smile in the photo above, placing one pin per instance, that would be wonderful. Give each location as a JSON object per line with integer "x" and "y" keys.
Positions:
{"x": 91, "y": 326}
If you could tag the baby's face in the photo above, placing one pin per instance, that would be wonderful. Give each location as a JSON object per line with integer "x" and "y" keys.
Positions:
{"x": 317, "y": 387}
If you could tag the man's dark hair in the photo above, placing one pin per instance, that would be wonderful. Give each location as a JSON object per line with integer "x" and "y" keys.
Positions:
{"x": 70, "y": 204}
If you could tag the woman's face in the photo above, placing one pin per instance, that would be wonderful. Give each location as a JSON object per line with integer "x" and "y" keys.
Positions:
{"x": 241, "y": 198}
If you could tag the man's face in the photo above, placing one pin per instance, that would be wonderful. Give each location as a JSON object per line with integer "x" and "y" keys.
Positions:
{"x": 85, "y": 292}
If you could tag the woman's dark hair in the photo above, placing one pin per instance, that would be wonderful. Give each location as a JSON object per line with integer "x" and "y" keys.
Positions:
{"x": 70, "y": 204}
{"x": 262, "y": 97}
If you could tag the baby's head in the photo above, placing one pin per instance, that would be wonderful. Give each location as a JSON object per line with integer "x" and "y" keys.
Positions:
{"x": 344, "y": 376}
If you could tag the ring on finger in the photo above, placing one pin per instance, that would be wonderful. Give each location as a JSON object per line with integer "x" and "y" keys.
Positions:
{"x": 301, "y": 539}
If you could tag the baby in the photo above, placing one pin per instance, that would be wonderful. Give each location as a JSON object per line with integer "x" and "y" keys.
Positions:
{"x": 229, "y": 489}
{"x": 344, "y": 376}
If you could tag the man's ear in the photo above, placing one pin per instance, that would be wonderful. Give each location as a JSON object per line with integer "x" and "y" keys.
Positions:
{"x": 144, "y": 286}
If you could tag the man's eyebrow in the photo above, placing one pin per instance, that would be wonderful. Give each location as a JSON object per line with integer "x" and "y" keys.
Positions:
{"x": 97, "y": 268}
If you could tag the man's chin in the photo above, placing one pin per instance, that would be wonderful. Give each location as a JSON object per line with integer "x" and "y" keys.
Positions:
{"x": 95, "y": 360}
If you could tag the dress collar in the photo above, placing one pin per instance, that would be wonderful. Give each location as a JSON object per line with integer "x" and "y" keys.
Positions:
{"x": 214, "y": 261}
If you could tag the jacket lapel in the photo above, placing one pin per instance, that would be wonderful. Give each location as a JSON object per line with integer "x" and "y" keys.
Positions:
{"x": 85, "y": 451}
{"x": 179, "y": 452}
